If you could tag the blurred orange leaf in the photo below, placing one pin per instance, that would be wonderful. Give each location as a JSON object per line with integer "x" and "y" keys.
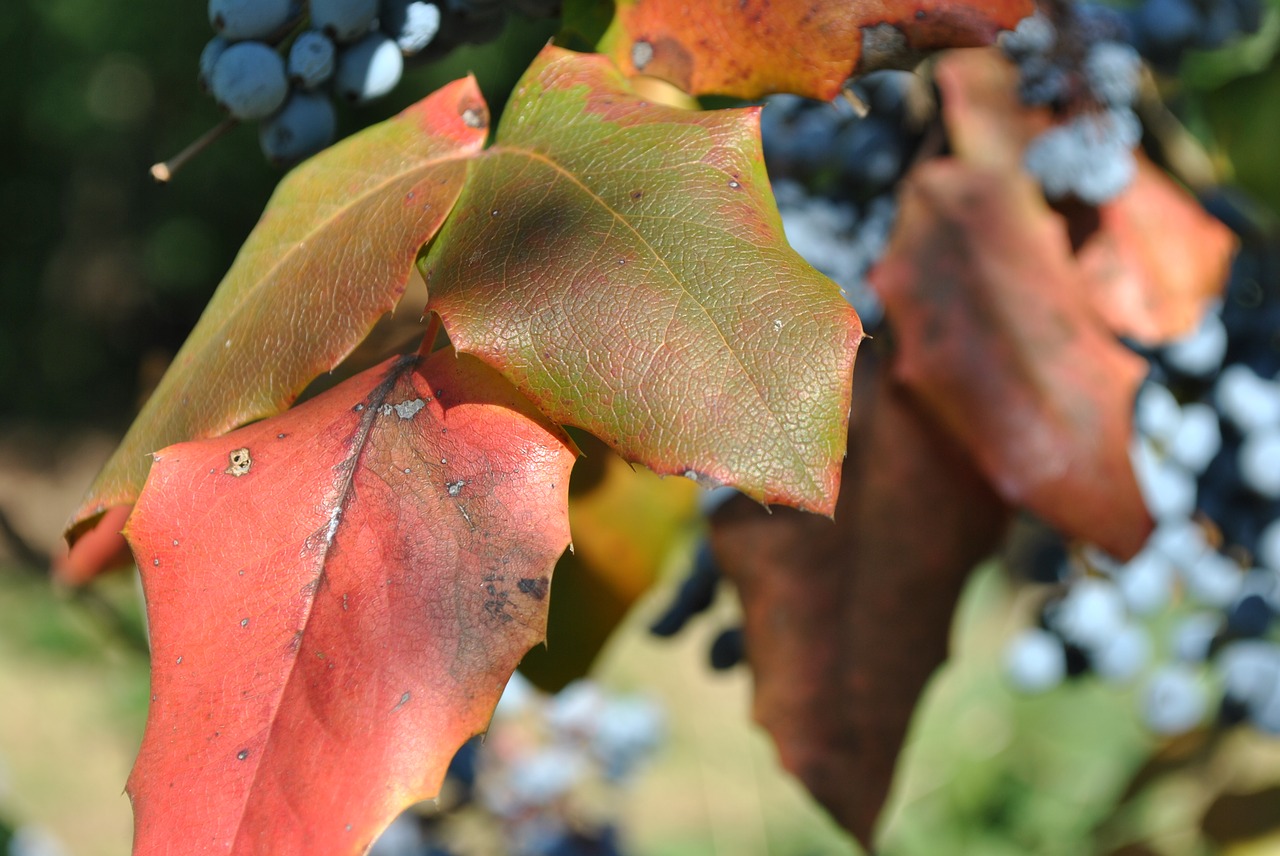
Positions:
{"x": 1156, "y": 260}
{"x": 626, "y": 523}
{"x": 750, "y": 48}
{"x": 997, "y": 338}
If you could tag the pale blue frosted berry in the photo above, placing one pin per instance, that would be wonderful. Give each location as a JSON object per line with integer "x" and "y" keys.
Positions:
{"x": 249, "y": 80}
{"x": 311, "y": 59}
{"x": 368, "y": 69}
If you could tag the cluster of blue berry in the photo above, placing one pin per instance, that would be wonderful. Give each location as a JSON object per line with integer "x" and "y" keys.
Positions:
{"x": 543, "y": 757}
{"x": 1207, "y": 457}
{"x": 1084, "y": 61}
{"x": 836, "y": 168}
{"x": 284, "y": 62}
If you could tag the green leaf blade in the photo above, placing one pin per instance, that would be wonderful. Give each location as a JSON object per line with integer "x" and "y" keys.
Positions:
{"x": 624, "y": 265}
{"x": 330, "y": 255}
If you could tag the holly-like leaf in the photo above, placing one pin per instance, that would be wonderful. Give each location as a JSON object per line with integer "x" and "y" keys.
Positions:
{"x": 624, "y": 265}
{"x": 750, "y": 48}
{"x": 626, "y": 524}
{"x": 337, "y": 597}
{"x": 332, "y": 252}
{"x": 1156, "y": 260}
{"x": 846, "y": 621}
{"x": 997, "y": 337}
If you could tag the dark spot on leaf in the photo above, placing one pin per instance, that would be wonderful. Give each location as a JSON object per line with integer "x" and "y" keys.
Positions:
{"x": 920, "y": 14}
{"x": 535, "y": 588}
{"x": 242, "y": 754}
{"x": 637, "y": 195}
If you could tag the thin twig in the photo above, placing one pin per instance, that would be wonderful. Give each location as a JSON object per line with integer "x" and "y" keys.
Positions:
{"x": 429, "y": 338}
{"x": 165, "y": 171}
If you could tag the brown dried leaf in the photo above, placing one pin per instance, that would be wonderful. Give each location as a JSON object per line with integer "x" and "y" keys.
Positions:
{"x": 823, "y": 600}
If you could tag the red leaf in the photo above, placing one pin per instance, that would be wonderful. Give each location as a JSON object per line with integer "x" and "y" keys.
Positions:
{"x": 337, "y": 597}
{"x": 997, "y": 337}
{"x": 845, "y": 622}
{"x": 100, "y": 548}
{"x": 750, "y": 48}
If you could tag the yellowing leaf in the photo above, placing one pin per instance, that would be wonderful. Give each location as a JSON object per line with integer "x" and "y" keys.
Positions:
{"x": 332, "y": 252}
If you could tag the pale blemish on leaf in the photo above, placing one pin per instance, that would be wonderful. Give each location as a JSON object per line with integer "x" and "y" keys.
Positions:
{"x": 641, "y": 54}
{"x": 240, "y": 462}
{"x": 409, "y": 409}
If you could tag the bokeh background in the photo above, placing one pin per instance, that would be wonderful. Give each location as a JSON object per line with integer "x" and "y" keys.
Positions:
{"x": 102, "y": 274}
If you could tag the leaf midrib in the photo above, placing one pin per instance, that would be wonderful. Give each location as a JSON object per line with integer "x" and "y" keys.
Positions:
{"x": 373, "y": 401}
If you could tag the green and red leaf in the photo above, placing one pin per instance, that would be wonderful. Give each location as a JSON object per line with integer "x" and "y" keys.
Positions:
{"x": 337, "y": 597}
{"x": 331, "y": 254}
{"x": 624, "y": 265}
{"x": 750, "y": 48}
